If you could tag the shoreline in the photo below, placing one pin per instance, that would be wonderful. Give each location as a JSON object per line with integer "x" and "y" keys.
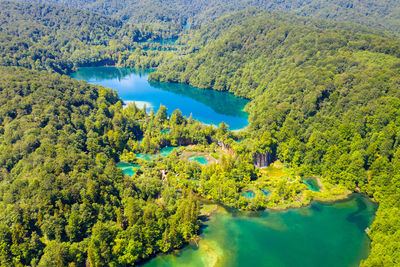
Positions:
{"x": 339, "y": 198}
{"x": 140, "y": 105}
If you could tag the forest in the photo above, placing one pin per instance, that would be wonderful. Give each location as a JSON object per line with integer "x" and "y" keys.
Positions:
{"x": 62, "y": 199}
{"x": 380, "y": 14}
{"x": 325, "y": 102}
{"x": 60, "y": 39}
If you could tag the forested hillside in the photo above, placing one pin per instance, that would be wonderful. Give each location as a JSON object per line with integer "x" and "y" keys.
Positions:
{"x": 58, "y": 39}
{"x": 328, "y": 95}
{"x": 383, "y": 14}
{"x": 62, "y": 199}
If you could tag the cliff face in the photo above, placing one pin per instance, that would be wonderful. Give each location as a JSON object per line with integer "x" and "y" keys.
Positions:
{"x": 225, "y": 147}
{"x": 262, "y": 159}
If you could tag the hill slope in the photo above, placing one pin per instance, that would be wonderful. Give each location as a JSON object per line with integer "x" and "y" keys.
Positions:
{"x": 56, "y": 38}
{"x": 383, "y": 14}
{"x": 46, "y": 37}
{"x": 62, "y": 199}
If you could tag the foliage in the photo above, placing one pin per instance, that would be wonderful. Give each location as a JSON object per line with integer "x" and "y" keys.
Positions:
{"x": 59, "y": 39}
{"x": 382, "y": 14}
{"x": 62, "y": 199}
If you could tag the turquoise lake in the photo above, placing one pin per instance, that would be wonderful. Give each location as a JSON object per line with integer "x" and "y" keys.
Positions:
{"x": 165, "y": 151}
{"x": 265, "y": 192}
{"x": 317, "y": 235}
{"x": 207, "y": 106}
{"x": 248, "y": 194}
{"x": 200, "y": 159}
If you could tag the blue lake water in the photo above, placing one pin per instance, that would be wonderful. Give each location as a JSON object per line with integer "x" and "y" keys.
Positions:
{"x": 207, "y": 106}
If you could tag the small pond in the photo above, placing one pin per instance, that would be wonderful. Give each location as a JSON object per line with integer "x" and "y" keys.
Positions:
{"x": 248, "y": 194}
{"x": 200, "y": 159}
{"x": 165, "y": 151}
{"x": 312, "y": 184}
{"x": 127, "y": 168}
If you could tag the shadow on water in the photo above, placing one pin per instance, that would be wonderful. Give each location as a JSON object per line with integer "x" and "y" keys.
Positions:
{"x": 106, "y": 73}
{"x": 315, "y": 206}
{"x": 203, "y": 226}
{"x": 360, "y": 216}
{"x": 208, "y": 106}
{"x": 207, "y": 97}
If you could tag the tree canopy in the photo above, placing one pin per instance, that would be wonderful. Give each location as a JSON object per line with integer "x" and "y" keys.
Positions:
{"x": 381, "y": 14}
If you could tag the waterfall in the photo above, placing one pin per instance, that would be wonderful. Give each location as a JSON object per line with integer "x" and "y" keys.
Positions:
{"x": 261, "y": 160}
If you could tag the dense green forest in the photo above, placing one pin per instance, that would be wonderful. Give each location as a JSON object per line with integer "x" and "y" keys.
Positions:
{"x": 382, "y": 14}
{"x": 328, "y": 96}
{"x": 62, "y": 199}
{"x": 59, "y": 39}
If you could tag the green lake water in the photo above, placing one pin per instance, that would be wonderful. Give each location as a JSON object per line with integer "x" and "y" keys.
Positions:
{"x": 200, "y": 159}
{"x": 317, "y": 235}
{"x": 207, "y": 106}
{"x": 312, "y": 184}
{"x": 165, "y": 151}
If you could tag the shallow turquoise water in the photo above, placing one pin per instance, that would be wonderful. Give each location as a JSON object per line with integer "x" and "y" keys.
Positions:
{"x": 248, "y": 194}
{"x": 200, "y": 159}
{"x": 317, "y": 235}
{"x": 208, "y": 106}
{"x": 170, "y": 41}
{"x": 165, "y": 151}
{"x": 312, "y": 184}
{"x": 127, "y": 168}
{"x": 265, "y": 192}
